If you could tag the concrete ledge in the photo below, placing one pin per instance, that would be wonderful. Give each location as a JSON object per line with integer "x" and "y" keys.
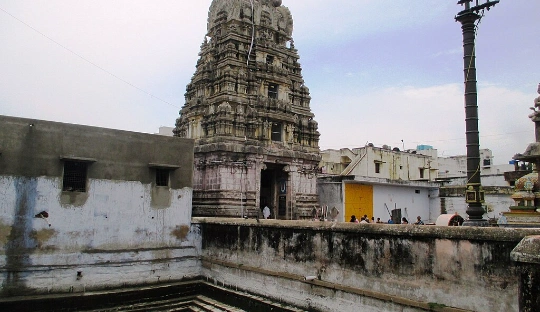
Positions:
{"x": 429, "y": 306}
{"x": 368, "y": 264}
{"x": 528, "y": 250}
{"x": 425, "y": 231}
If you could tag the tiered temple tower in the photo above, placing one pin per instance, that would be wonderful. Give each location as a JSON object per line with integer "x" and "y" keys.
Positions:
{"x": 249, "y": 112}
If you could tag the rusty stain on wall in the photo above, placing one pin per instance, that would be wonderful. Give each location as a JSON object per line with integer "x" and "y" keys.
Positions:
{"x": 41, "y": 237}
{"x": 4, "y": 232}
{"x": 20, "y": 243}
{"x": 180, "y": 232}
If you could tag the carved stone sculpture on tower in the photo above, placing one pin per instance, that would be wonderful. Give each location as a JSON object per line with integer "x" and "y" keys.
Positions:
{"x": 527, "y": 191}
{"x": 249, "y": 112}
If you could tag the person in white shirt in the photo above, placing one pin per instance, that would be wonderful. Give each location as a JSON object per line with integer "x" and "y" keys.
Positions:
{"x": 266, "y": 212}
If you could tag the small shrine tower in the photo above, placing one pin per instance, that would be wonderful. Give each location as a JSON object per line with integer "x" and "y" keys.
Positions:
{"x": 256, "y": 140}
{"x": 525, "y": 212}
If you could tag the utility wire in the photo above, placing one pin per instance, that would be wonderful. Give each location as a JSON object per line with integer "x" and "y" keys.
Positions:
{"x": 88, "y": 61}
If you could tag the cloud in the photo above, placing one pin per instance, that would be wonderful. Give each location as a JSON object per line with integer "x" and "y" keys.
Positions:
{"x": 102, "y": 63}
{"x": 431, "y": 115}
{"x": 448, "y": 52}
{"x": 378, "y": 70}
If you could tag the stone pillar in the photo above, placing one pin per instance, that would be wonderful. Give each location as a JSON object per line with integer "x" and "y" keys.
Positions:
{"x": 291, "y": 171}
{"x": 474, "y": 194}
{"x": 527, "y": 256}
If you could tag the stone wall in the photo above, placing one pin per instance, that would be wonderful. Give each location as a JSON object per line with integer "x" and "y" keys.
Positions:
{"x": 527, "y": 257}
{"x": 120, "y": 230}
{"x": 350, "y": 267}
{"x": 114, "y": 239}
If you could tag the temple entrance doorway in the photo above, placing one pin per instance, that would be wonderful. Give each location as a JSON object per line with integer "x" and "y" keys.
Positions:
{"x": 274, "y": 191}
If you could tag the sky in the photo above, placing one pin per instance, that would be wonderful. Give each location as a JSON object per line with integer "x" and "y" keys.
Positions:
{"x": 379, "y": 71}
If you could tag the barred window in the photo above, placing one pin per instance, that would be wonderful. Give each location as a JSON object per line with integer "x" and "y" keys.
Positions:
{"x": 162, "y": 177}
{"x": 74, "y": 179}
{"x": 162, "y": 173}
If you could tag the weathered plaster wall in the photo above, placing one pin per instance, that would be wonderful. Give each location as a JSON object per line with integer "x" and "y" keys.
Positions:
{"x": 363, "y": 266}
{"x": 411, "y": 203}
{"x": 331, "y": 194}
{"x": 527, "y": 257}
{"x": 115, "y": 238}
{"x": 122, "y": 230}
{"x": 34, "y": 148}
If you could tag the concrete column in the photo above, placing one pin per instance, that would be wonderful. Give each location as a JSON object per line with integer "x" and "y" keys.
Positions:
{"x": 527, "y": 256}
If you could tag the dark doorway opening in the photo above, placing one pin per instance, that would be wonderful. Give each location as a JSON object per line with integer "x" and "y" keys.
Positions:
{"x": 274, "y": 191}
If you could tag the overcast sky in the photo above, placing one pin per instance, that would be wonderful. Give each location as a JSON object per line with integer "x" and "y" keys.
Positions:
{"x": 379, "y": 71}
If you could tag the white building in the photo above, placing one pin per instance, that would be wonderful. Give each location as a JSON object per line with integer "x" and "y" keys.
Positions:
{"x": 166, "y": 131}
{"x": 389, "y": 176}
{"x": 378, "y": 182}
{"x": 454, "y": 169}
{"x": 379, "y": 162}
{"x": 453, "y": 178}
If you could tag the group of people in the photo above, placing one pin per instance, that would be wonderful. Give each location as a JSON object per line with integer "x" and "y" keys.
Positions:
{"x": 365, "y": 219}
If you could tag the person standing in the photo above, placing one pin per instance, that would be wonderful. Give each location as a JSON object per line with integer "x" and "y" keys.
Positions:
{"x": 419, "y": 221}
{"x": 266, "y": 212}
{"x": 334, "y": 212}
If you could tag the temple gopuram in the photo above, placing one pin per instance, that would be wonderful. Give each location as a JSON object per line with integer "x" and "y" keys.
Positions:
{"x": 248, "y": 109}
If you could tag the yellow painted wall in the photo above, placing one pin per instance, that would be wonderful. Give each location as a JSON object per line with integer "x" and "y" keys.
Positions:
{"x": 358, "y": 201}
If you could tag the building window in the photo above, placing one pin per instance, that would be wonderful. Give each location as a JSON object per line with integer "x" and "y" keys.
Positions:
{"x": 377, "y": 167}
{"x": 269, "y": 59}
{"x": 162, "y": 173}
{"x": 421, "y": 173}
{"x": 273, "y": 90}
{"x": 74, "y": 179}
{"x": 162, "y": 177}
{"x": 417, "y": 191}
{"x": 487, "y": 162}
{"x": 276, "y": 131}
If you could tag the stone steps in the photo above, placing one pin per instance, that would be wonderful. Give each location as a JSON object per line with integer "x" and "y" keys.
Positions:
{"x": 195, "y": 295}
{"x": 192, "y": 303}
